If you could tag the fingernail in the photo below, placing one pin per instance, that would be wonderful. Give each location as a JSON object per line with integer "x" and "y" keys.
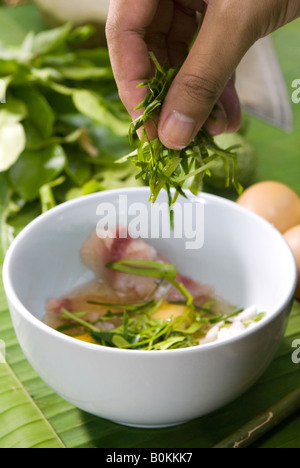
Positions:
{"x": 177, "y": 130}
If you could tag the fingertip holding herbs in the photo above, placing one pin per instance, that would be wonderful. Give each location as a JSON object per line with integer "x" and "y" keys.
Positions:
{"x": 164, "y": 168}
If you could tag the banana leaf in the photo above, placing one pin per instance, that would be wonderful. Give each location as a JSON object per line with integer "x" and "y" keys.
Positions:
{"x": 32, "y": 415}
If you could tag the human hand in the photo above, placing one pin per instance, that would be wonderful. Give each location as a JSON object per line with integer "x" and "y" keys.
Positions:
{"x": 203, "y": 92}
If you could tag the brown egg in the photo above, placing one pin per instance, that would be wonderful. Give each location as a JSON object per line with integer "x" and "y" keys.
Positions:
{"x": 292, "y": 236}
{"x": 274, "y": 201}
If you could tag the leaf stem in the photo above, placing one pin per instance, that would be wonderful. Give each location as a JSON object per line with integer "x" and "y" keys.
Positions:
{"x": 263, "y": 423}
{"x": 68, "y": 315}
{"x": 153, "y": 269}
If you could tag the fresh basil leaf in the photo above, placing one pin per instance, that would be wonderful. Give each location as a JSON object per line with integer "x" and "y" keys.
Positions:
{"x": 27, "y": 15}
{"x": 49, "y": 40}
{"x": 47, "y": 196}
{"x": 39, "y": 110}
{"x": 81, "y": 34}
{"x": 35, "y": 169}
{"x": 13, "y": 110}
{"x": 7, "y": 66}
{"x": 76, "y": 167}
{"x": 44, "y": 75}
{"x": 85, "y": 73}
{"x": 11, "y": 32}
{"x": 111, "y": 145}
{"x": 119, "y": 177}
{"x": 33, "y": 139}
{"x": 21, "y": 218}
{"x": 99, "y": 56}
{"x": 92, "y": 186}
{"x": 97, "y": 108}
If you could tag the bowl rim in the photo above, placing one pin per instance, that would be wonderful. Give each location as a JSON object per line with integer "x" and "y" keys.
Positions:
{"x": 13, "y": 298}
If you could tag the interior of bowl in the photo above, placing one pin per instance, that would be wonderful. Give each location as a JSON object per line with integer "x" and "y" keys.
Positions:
{"x": 244, "y": 257}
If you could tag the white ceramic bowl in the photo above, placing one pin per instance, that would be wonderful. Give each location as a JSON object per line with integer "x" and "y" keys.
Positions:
{"x": 246, "y": 259}
{"x": 76, "y": 11}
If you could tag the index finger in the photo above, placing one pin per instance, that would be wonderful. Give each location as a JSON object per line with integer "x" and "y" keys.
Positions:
{"x": 126, "y": 27}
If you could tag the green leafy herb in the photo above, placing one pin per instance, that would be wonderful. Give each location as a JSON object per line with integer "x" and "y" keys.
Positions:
{"x": 164, "y": 168}
{"x": 62, "y": 124}
{"x": 154, "y": 269}
{"x": 139, "y": 330}
{"x": 137, "y": 326}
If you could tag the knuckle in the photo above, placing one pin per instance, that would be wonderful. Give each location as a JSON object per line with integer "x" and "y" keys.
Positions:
{"x": 203, "y": 89}
{"x": 111, "y": 31}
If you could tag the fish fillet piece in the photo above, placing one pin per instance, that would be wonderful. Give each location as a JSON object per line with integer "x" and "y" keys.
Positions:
{"x": 97, "y": 252}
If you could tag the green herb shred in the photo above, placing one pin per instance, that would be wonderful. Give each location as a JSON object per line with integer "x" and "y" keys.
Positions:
{"x": 164, "y": 168}
{"x": 135, "y": 325}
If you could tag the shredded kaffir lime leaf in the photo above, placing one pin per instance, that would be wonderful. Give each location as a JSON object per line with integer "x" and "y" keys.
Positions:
{"x": 164, "y": 168}
{"x": 137, "y": 325}
{"x": 153, "y": 269}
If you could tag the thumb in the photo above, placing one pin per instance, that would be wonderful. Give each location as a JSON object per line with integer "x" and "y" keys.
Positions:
{"x": 222, "y": 41}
